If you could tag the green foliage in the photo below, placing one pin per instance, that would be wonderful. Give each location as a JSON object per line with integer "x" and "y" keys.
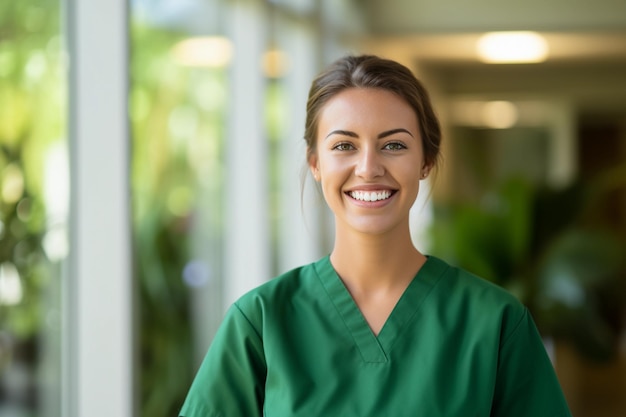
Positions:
{"x": 581, "y": 290}
{"x": 491, "y": 238}
{"x": 165, "y": 367}
{"x": 554, "y": 249}
{"x": 33, "y": 113}
{"x": 32, "y": 110}
{"x": 177, "y": 118}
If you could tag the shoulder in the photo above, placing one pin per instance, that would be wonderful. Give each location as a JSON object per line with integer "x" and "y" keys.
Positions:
{"x": 475, "y": 298}
{"x": 468, "y": 283}
{"x": 279, "y": 293}
{"x": 278, "y": 286}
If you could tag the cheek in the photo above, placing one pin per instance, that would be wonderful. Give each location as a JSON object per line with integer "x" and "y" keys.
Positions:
{"x": 333, "y": 176}
{"x": 410, "y": 172}
{"x": 411, "y": 184}
{"x": 331, "y": 168}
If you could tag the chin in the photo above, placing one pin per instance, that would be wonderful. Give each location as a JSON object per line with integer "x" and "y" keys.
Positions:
{"x": 372, "y": 228}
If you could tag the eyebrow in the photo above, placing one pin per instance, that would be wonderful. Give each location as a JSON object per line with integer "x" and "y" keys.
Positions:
{"x": 380, "y": 136}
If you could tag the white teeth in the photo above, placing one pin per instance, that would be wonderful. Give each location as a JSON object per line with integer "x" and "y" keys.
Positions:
{"x": 370, "y": 196}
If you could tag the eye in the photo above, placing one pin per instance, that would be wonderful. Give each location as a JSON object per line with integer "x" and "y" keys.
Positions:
{"x": 394, "y": 146}
{"x": 343, "y": 146}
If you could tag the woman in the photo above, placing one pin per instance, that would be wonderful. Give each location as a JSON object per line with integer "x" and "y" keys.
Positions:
{"x": 376, "y": 328}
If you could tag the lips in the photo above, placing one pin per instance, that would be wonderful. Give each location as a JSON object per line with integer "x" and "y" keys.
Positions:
{"x": 375, "y": 195}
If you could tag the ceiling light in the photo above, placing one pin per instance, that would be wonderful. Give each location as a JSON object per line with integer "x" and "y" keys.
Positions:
{"x": 207, "y": 51}
{"x": 499, "y": 114}
{"x": 512, "y": 47}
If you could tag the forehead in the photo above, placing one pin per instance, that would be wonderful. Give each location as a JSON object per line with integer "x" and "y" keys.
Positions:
{"x": 367, "y": 108}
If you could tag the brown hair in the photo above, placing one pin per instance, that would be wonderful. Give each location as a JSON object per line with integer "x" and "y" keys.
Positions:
{"x": 369, "y": 71}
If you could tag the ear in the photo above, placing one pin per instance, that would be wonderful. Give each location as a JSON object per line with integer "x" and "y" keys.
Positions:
{"x": 314, "y": 166}
{"x": 425, "y": 171}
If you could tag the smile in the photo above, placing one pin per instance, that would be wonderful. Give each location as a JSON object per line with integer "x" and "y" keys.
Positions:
{"x": 370, "y": 195}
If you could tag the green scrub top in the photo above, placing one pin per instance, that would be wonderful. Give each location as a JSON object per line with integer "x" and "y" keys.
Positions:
{"x": 455, "y": 345}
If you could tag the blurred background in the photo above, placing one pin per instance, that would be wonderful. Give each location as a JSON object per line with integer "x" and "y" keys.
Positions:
{"x": 151, "y": 161}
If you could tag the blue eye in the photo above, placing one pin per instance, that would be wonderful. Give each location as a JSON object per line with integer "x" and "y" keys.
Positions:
{"x": 395, "y": 146}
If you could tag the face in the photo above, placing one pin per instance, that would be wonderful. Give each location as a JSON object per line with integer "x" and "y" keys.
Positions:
{"x": 368, "y": 159}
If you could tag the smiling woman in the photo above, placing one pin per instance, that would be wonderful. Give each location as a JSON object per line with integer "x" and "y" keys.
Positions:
{"x": 369, "y": 145}
{"x": 375, "y": 328}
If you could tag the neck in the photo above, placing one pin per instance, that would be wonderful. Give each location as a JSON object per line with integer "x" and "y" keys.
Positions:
{"x": 371, "y": 263}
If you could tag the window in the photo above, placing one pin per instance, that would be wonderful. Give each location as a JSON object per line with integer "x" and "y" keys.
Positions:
{"x": 34, "y": 200}
{"x": 218, "y": 95}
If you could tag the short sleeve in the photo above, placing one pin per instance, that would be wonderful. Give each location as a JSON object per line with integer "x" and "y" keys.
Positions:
{"x": 526, "y": 384}
{"x": 231, "y": 379}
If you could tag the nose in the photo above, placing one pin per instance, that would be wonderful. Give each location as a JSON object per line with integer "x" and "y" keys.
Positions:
{"x": 369, "y": 164}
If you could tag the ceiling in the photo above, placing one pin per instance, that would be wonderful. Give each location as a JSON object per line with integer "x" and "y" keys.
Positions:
{"x": 586, "y": 40}
{"x": 436, "y": 16}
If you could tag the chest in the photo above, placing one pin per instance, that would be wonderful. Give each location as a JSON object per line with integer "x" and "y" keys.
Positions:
{"x": 327, "y": 361}
{"x": 376, "y": 310}
{"x": 430, "y": 377}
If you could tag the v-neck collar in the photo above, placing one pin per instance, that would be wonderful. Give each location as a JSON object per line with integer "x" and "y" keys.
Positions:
{"x": 376, "y": 348}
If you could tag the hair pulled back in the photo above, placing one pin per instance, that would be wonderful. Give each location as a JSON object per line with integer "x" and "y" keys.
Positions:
{"x": 369, "y": 71}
